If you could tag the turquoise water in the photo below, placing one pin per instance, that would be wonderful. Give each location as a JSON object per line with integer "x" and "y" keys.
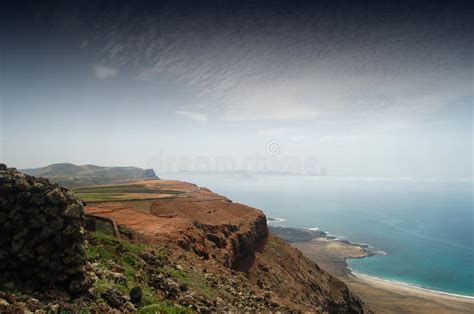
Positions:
{"x": 424, "y": 226}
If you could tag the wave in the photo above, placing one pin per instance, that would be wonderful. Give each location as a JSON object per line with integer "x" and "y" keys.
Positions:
{"x": 409, "y": 285}
{"x": 331, "y": 237}
{"x": 312, "y": 229}
{"x": 275, "y": 220}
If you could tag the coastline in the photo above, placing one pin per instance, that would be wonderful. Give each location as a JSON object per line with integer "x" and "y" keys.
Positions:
{"x": 383, "y": 295}
{"x": 389, "y": 296}
{"x": 407, "y": 286}
{"x": 329, "y": 251}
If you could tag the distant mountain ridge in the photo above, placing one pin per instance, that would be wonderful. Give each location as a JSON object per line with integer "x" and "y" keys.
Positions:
{"x": 71, "y": 175}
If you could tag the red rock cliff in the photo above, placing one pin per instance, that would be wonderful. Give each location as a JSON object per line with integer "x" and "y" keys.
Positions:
{"x": 235, "y": 236}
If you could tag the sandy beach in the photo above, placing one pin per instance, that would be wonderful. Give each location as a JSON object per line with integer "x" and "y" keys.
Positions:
{"x": 382, "y": 296}
{"x": 403, "y": 287}
{"x": 385, "y": 296}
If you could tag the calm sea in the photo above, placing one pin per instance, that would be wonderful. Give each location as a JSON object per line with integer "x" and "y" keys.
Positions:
{"x": 424, "y": 226}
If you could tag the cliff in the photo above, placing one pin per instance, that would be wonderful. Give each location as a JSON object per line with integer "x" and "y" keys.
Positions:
{"x": 168, "y": 246}
{"x": 233, "y": 237}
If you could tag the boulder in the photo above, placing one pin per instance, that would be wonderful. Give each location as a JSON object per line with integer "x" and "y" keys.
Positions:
{"x": 136, "y": 296}
{"x": 113, "y": 298}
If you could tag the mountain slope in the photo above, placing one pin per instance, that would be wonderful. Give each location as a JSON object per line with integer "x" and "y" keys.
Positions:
{"x": 73, "y": 175}
{"x": 216, "y": 235}
{"x": 184, "y": 249}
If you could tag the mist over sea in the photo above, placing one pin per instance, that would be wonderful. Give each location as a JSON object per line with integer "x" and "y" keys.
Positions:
{"x": 425, "y": 226}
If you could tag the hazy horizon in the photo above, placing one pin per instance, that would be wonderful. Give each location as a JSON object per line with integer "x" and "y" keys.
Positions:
{"x": 372, "y": 89}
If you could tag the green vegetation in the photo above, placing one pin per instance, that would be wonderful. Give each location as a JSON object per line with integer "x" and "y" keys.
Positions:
{"x": 194, "y": 281}
{"x": 99, "y": 196}
{"x": 125, "y": 188}
{"x": 122, "y": 255}
{"x": 110, "y": 252}
{"x": 112, "y": 255}
{"x": 119, "y": 192}
{"x": 162, "y": 308}
{"x": 102, "y": 250}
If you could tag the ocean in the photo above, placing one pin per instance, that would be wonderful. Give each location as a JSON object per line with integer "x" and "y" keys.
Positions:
{"x": 424, "y": 226}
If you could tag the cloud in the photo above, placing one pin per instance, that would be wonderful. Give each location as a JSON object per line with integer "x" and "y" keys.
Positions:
{"x": 294, "y": 69}
{"x": 298, "y": 139}
{"x": 328, "y": 139}
{"x": 251, "y": 82}
{"x": 293, "y": 134}
{"x": 195, "y": 116}
{"x": 342, "y": 139}
{"x": 103, "y": 72}
{"x": 276, "y": 131}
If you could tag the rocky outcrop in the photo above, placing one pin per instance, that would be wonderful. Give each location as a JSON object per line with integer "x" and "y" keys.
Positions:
{"x": 149, "y": 174}
{"x": 218, "y": 236}
{"x": 232, "y": 245}
{"x": 220, "y": 229}
{"x": 42, "y": 242}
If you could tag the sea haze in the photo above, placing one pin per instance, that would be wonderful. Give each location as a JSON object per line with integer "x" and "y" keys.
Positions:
{"x": 424, "y": 226}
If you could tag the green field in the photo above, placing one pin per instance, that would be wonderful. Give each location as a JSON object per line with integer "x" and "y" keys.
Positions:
{"x": 119, "y": 192}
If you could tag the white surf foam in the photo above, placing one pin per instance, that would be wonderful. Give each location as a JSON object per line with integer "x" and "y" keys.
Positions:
{"x": 410, "y": 285}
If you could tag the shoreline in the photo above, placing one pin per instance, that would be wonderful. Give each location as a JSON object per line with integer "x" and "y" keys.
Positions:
{"x": 409, "y": 286}
{"x": 329, "y": 251}
{"x": 313, "y": 243}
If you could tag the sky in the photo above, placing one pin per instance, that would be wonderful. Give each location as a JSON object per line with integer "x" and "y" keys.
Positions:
{"x": 347, "y": 88}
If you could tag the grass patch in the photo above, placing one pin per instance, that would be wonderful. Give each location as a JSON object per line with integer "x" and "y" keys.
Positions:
{"x": 107, "y": 241}
{"x": 109, "y": 252}
{"x": 99, "y": 196}
{"x": 121, "y": 192}
{"x": 164, "y": 307}
{"x": 194, "y": 281}
{"x": 130, "y": 188}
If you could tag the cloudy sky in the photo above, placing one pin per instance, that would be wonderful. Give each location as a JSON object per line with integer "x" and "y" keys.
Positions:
{"x": 365, "y": 88}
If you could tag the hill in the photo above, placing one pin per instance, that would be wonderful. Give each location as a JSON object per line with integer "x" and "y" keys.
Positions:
{"x": 158, "y": 247}
{"x": 71, "y": 175}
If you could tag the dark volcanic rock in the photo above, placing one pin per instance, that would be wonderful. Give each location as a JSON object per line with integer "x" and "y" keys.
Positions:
{"x": 149, "y": 173}
{"x": 136, "y": 296}
{"x": 113, "y": 298}
{"x": 42, "y": 241}
{"x": 291, "y": 235}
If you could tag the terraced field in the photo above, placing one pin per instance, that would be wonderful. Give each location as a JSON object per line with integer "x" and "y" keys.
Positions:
{"x": 141, "y": 190}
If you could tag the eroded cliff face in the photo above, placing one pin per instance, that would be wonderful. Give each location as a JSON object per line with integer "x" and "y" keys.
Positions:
{"x": 227, "y": 243}
{"x": 283, "y": 270}
{"x": 41, "y": 234}
{"x": 231, "y": 236}
{"x": 231, "y": 241}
